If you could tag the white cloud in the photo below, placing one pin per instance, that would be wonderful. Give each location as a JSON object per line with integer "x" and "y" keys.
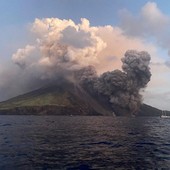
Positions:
{"x": 150, "y": 23}
{"x": 64, "y": 44}
{"x": 21, "y": 56}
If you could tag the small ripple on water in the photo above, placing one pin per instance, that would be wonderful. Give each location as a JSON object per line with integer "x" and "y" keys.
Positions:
{"x": 6, "y": 124}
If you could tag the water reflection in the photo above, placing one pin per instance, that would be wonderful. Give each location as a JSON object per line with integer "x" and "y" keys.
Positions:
{"x": 49, "y": 142}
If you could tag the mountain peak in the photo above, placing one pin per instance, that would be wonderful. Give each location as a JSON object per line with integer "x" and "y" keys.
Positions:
{"x": 60, "y": 97}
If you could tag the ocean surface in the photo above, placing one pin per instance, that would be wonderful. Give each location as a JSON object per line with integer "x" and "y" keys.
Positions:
{"x": 82, "y": 142}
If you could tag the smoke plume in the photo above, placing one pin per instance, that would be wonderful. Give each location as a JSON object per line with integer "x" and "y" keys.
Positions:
{"x": 121, "y": 88}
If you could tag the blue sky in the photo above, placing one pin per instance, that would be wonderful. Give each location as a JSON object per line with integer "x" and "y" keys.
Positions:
{"x": 17, "y": 15}
{"x": 100, "y": 12}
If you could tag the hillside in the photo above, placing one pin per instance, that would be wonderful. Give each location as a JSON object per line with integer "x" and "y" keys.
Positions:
{"x": 65, "y": 98}
{"x": 61, "y": 98}
{"x": 147, "y": 110}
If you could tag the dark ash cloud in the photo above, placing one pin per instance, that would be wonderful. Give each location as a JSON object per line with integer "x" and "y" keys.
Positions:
{"x": 122, "y": 88}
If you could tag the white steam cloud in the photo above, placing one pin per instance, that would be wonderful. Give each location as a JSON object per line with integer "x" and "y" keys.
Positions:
{"x": 60, "y": 45}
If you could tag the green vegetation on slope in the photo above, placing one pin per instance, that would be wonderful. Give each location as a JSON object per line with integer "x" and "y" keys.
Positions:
{"x": 60, "y": 98}
{"x": 44, "y": 99}
{"x": 53, "y": 95}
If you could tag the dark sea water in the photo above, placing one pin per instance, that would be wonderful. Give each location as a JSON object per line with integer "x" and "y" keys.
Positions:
{"x": 54, "y": 142}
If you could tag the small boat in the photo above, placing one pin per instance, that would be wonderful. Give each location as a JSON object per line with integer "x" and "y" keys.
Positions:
{"x": 164, "y": 115}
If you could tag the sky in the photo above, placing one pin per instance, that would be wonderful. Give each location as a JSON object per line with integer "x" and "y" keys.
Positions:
{"x": 118, "y": 25}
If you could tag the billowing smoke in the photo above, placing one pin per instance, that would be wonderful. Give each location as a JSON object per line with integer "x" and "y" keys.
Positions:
{"x": 61, "y": 46}
{"x": 136, "y": 65}
{"x": 63, "y": 49}
{"x": 121, "y": 89}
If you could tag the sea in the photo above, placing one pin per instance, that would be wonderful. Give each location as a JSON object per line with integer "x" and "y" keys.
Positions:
{"x": 84, "y": 143}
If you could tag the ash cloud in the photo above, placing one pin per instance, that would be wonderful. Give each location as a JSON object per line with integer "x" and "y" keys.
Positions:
{"x": 122, "y": 88}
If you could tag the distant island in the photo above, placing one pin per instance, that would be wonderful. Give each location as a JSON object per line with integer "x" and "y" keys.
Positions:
{"x": 65, "y": 98}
